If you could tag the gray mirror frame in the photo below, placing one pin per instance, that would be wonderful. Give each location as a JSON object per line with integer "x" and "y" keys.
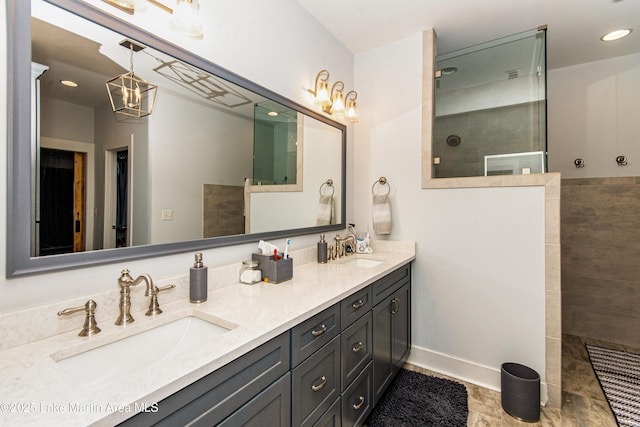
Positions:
{"x": 19, "y": 259}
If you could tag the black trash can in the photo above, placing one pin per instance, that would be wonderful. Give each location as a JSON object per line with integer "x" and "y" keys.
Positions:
{"x": 520, "y": 392}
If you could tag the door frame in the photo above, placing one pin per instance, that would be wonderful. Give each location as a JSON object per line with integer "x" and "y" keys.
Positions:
{"x": 110, "y": 191}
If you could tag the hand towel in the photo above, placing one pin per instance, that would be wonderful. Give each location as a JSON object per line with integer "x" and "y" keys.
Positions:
{"x": 325, "y": 210}
{"x": 381, "y": 214}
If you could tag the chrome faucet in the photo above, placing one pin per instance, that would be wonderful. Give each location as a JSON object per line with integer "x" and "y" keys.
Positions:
{"x": 125, "y": 281}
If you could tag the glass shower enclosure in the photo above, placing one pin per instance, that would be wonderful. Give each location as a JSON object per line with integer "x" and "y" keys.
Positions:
{"x": 490, "y": 108}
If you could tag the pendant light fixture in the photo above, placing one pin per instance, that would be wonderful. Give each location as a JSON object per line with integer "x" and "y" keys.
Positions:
{"x": 129, "y": 94}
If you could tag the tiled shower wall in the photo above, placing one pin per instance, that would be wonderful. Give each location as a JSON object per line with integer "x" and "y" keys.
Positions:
{"x": 223, "y": 210}
{"x": 502, "y": 130}
{"x": 600, "y": 238}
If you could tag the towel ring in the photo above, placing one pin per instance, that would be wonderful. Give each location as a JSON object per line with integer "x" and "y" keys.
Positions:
{"x": 382, "y": 181}
{"x": 329, "y": 183}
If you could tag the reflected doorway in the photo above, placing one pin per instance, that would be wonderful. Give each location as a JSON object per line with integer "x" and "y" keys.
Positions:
{"x": 117, "y": 199}
{"x": 62, "y": 202}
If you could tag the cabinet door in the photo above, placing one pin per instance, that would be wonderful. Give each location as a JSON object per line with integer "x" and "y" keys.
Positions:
{"x": 401, "y": 323}
{"x": 269, "y": 408}
{"x": 382, "y": 361}
{"x": 391, "y": 337}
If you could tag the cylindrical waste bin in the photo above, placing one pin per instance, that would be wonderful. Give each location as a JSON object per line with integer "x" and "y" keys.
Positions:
{"x": 520, "y": 392}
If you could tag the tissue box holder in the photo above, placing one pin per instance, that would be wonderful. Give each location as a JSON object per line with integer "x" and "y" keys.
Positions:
{"x": 275, "y": 271}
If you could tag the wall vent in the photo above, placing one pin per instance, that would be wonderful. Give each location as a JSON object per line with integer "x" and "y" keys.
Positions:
{"x": 512, "y": 74}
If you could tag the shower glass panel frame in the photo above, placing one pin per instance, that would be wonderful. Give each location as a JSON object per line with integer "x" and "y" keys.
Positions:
{"x": 490, "y": 100}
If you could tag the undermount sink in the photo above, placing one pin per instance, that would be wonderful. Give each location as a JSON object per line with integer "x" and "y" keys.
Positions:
{"x": 120, "y": 358}
{"x": 361, "y": 261}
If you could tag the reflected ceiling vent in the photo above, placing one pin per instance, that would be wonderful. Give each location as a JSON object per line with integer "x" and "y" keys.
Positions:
{"x": 512, "y": 74}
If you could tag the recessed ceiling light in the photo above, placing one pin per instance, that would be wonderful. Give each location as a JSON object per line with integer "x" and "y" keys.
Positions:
{"x": 616, "y": 35}
{"x": 272, "y": 113}
{"x": 449, "y": 70}
{"x": 69, "y": 83}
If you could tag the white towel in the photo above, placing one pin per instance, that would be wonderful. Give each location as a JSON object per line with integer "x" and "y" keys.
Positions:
{"x": 381, "y": 214}
{"x": 325, "y": 210}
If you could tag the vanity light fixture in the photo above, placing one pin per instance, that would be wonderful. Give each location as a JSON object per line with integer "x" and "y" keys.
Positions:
{"x": 334, "y": 101}
{"x": 185, "y": 18}
{"x": 321, "y": 90}
{"x": 337, "y": 100}
{"x": 616, "y": 35}
{"x": 351, "y": 112}
{"x": 129, "y": 94}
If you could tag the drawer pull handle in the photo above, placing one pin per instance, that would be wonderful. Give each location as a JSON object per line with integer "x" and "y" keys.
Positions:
{"x": 358, "y": 305}
{"x": 358, "y": 405}
{"x": 323, "y": 382}
{"x": 356, "y": 348}
{"x": 320, "y": 331}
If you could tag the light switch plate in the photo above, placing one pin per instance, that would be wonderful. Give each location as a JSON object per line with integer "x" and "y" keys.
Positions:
{"x": 167, "y": 215}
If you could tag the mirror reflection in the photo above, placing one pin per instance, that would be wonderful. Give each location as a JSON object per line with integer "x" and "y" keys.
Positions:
{"x": 199, "y": 158}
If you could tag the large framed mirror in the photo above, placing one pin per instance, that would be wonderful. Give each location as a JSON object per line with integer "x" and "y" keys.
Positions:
{"x": 201, "y": 157}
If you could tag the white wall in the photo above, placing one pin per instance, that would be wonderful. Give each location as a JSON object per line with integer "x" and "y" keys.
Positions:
{"x": 478, "y": 279}
{"x": 237, "y": 37}
{"x": 65, "y": 120}
{"x": 217, "y": 150}
{"x": 593, "y": 114}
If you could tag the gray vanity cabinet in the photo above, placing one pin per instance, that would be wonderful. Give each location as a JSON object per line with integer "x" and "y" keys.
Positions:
{"x": 245, "y": 385}
{"x": 328, "y": 371}
{"x": 391, "y": 328}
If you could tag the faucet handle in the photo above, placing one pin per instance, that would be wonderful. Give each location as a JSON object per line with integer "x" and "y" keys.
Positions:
{"x": 154, "y": 306}
{"x": 90, "y": 326}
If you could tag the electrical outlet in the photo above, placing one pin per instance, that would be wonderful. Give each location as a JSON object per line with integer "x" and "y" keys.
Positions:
{"x": 167, "y": 215}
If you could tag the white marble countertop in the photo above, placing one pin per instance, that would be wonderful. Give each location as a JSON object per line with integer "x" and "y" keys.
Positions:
{"x": 35, "y": 390}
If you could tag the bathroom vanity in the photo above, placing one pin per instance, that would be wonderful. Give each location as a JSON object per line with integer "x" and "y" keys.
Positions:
{"x": 319, "y": 349}
{"x": 334, "y": 365}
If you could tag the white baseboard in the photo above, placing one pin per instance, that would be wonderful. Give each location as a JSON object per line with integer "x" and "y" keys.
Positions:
{"x": 463, "y": 370}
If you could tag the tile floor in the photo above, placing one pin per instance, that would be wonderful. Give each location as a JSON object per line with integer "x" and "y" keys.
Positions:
{"x": 584, "y": 404}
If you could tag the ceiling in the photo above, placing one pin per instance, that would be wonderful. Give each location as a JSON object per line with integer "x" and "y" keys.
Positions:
{"x": 573, "y": 35}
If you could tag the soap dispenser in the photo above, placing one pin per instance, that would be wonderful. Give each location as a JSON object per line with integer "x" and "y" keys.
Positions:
{"x": 322, "y": 250}
{"x": 198, "y": 281}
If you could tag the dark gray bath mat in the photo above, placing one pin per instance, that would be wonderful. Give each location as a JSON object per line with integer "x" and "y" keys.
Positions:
{"x": 619, "y": 375}
{"x": 413, "y": 399}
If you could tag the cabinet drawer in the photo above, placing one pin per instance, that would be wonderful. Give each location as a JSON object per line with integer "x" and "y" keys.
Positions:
{"x": 384, "y": 287}
{"x": 217, "y": 395}
{"x": 272, "y": 404}
{"x": 332, "y": 417}
{"x": 354, "y": 306}
{"x": 310, "y": 335}
{"x": 357, "y": 348}
{"x": 356, "y": 401}
{"x": 315, "y": 384}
